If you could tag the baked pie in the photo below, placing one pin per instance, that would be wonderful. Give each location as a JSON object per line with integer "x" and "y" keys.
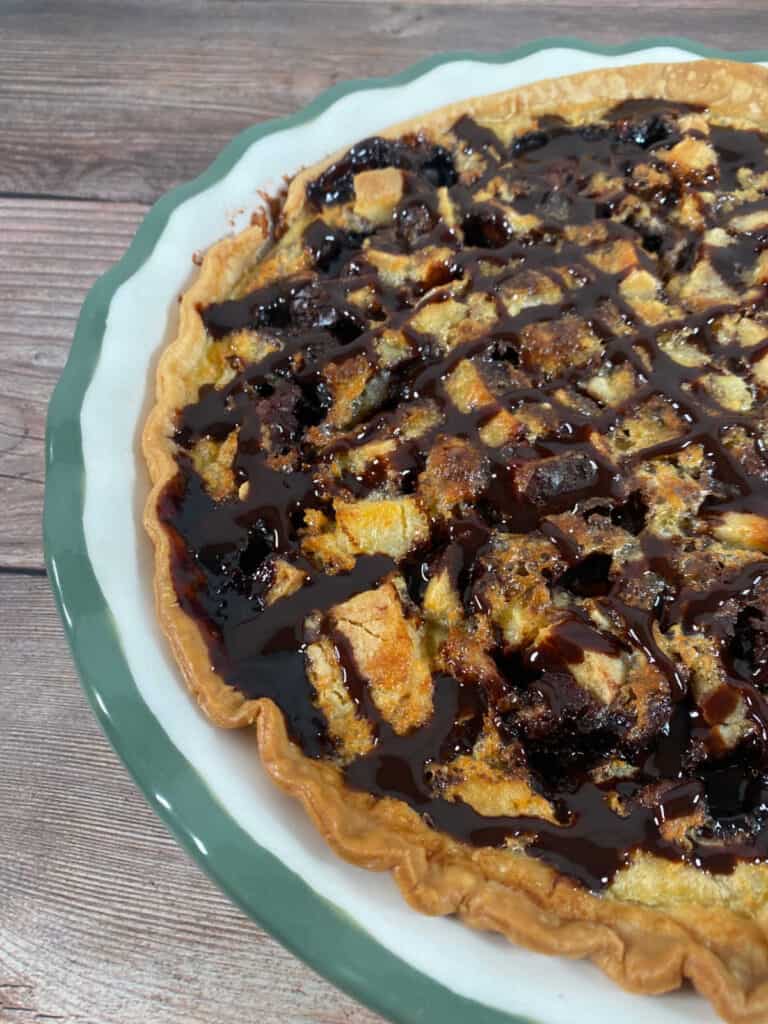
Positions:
{"x": 461, "y": 501}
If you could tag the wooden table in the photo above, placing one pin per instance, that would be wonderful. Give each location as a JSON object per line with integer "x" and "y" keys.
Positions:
{"x": 103, "y": 107}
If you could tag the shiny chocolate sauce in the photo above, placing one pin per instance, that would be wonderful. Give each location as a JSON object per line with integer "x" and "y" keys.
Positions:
{"x": 223, "y": 558}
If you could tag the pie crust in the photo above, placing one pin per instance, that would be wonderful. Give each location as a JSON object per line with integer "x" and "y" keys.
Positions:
{"x": 659, "y": 923}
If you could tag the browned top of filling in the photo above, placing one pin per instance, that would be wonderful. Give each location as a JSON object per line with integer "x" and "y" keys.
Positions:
{"x": 475, "y": 488}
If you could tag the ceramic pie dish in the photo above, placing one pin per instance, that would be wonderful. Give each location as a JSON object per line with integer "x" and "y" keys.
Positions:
{"x": 642, "y": 948}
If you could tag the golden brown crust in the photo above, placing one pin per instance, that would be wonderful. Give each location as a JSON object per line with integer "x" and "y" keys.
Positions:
{"x": 644, "y": 949}
{"x": 724, "y": 87}
{"x": 658, "y": 924}
{"x": 223, "y": 265}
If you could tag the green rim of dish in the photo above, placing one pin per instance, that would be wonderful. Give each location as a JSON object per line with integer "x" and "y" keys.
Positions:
{"x": 305, "y": 922}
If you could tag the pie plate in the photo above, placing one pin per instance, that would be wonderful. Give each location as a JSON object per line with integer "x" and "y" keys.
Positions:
{"x": 207, "y": 784}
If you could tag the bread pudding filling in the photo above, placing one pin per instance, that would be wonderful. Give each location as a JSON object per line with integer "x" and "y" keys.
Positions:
{"x": 475, "y": 487}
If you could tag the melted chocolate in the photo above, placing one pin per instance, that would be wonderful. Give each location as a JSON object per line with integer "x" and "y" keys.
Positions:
{"x": 336, "y": 183}
{"x": 224, "y": 552}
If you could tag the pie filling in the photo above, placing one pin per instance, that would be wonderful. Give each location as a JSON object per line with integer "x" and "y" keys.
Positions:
{"x": 478, "y": 492}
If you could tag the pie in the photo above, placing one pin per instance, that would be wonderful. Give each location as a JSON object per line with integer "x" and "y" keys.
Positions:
{"x": 461, "y": 502}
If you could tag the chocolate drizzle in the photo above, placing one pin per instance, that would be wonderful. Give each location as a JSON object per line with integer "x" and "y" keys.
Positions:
{"x": 225, "y": 551}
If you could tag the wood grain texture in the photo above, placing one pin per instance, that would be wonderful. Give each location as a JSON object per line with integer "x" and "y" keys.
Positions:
{"x": 157, "y": 89}
{"x": 50, "y": 254}
{"x": 102, "y": 917}
{"x": 103, "y": 920}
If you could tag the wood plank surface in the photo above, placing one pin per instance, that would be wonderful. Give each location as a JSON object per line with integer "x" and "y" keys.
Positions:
{"x": 103, "y": 920}
{"x": 51, "y": 252}
{"x": 123, "y": 100}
